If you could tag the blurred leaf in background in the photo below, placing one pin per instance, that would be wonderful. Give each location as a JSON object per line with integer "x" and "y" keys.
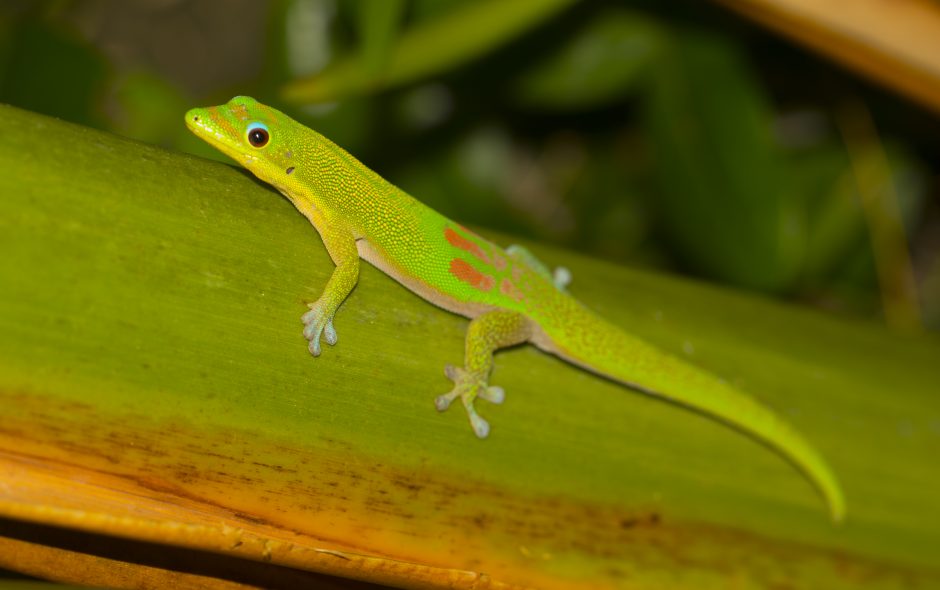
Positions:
{"x": 601, "y": 62}
{"x": 431, "y": 46}
{"x": 45, "y": 66}
{"x": 726, "y": 201}
{"x": 736, "y": 203}
{"x": 645, "y": 133}
{"x": 378, "y": 25}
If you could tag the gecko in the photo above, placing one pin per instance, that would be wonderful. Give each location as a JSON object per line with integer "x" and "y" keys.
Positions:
{"x": 509, "y": 295}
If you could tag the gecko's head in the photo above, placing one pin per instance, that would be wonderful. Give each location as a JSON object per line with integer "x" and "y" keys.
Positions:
{"x": 255, "y": 135}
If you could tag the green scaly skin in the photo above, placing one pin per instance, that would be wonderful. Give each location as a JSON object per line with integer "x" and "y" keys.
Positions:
{"x": 510, "y": 297}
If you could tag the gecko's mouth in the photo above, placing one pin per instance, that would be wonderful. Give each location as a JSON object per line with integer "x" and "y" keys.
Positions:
{"x": 203, "y": 123}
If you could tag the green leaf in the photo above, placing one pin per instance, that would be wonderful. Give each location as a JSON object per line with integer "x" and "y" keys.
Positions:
{"x": 836, "y": 227}
{"x": 52, "y": 70}
{"x": 378, "y": 25}
{"x": 600, "y": 63}
{"x": 837, "y": 230}
{"x": 428, "y": 48}
{"x": 726, "y": 200}
{"x": 149, "y": 108}
{"x": 155, "y": 386}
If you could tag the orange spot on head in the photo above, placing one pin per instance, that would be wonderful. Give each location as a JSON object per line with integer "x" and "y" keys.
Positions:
{"x": 466, "y": 273}
{"x": 240, "y": 112}
{"x": 458, "y": 241}
{"x": 221, "y": 122}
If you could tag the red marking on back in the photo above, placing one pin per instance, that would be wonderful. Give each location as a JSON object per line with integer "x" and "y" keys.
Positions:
{"x": 507, "y": 288}
{"x": 466, "y": 273}
{"x": 458, "y": 241}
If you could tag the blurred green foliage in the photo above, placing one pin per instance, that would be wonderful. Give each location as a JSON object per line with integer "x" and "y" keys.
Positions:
{"x": 643, "y": 133}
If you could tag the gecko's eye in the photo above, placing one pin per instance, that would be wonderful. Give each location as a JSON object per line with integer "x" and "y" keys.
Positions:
{"x": 258, "y": 135}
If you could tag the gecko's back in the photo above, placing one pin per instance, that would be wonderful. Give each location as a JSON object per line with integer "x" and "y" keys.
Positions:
{"x": 437, "y": 258}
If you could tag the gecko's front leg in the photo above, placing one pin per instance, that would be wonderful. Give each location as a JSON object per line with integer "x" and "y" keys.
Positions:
{"x": 341, "y": 245}
{"x": 486, "y": 334}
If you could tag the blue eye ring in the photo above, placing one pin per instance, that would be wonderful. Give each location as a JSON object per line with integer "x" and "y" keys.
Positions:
{"x": 258, "y": 135}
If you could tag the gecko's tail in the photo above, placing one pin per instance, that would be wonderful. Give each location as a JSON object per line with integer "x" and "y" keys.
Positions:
{"x": 602, "y": 348}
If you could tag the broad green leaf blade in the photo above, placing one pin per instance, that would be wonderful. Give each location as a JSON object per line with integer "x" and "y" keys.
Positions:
{"x": 154, "y": 384}
{"x": 604, "y": 60}
{"x": 430, "y": 47}
{"x": 725, "y": 197}
{"x": 378, "y": 22}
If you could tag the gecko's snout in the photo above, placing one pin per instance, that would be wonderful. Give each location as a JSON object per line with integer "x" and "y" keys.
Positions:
{"x": 197, "y": 121}
{"x": 194, "y": 114}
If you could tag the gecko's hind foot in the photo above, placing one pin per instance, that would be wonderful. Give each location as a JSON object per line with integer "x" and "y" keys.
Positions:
{"x": 469, "y": 386}
{"x": 560, "y": 277}
{"x": 316, "y": 324}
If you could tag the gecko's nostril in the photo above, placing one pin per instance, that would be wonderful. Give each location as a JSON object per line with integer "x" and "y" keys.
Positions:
{"x": 196, "y": 118}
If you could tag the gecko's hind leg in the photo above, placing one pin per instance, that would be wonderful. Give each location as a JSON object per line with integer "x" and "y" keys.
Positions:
{"x": 485, "y": 335}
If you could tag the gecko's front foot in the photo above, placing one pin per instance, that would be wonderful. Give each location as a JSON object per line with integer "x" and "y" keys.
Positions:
{"x": 318, "y": 322}
{"x": 468, "y": 386}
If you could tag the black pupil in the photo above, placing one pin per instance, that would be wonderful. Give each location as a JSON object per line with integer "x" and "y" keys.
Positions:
{"x": 258, "y": 137}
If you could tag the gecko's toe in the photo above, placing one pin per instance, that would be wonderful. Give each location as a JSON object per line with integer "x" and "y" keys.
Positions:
{"x": 309, "y": 317}
{"x": 561, "y": 277}
{"x": 329, "y": 333}
{"x": 442, "y": 402}
{"x": 310, "y": 331}
{"x": 493, "y": 394}
{"x": 317, "y": 324}
{"x": 480, "y": 426}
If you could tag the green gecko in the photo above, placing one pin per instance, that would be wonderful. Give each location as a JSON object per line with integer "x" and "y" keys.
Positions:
{"x": 509, "y": 296}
